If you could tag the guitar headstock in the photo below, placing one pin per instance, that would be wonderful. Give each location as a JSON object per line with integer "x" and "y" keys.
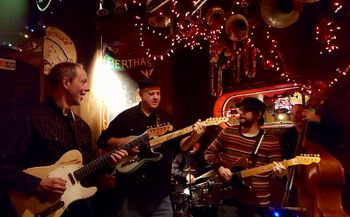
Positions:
{"x": 215, "y": 121}
{"x": 306, "y": 159}
{"x": 159, "y": 130}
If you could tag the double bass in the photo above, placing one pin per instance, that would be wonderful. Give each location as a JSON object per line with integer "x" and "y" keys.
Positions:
{"x": 318, "y": 187}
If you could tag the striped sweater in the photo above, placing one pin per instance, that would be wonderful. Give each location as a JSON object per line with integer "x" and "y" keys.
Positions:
{"x": 230, "y": 146}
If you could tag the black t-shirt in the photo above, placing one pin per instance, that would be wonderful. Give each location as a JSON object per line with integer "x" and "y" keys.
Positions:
{"x": 151, "y": 181}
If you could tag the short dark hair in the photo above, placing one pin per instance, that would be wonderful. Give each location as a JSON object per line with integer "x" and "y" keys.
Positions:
{"x": 61, "y": 70}
{"x": 254, "y": 105}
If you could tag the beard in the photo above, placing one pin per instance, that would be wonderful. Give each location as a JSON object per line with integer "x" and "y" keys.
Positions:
{"x": 246, "y": 123}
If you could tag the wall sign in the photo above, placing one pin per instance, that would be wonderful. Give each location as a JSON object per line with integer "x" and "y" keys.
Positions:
{"x": 125, "y": 64}
{"x": 8, "y": 64}
{"x": 58, "y": 47}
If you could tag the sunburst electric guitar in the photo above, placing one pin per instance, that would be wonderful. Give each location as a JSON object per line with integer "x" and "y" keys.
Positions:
{"x": 70, "y": 168}
{"x": 132, "y": 163}
{"x": 223, "y": 189}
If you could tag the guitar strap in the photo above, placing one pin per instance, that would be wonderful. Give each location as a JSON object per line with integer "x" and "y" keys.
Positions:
{"x": 72, "y": 125}
{"x": 158, "y": 122}
{"x": 254, "y": 154}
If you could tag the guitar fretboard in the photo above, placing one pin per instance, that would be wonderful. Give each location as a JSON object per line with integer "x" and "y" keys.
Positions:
{"x": 269, "y": 167}
{"x": 103, "y": 160}
{"x": 210, "y": 121}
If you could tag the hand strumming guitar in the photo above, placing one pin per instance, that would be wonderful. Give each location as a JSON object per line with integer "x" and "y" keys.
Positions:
{"x": 54, "y": 186}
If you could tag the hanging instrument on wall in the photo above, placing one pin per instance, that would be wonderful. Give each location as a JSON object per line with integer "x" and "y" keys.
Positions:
{"x": 250, "y": 56}
{"x": 215, "y": 17}
{"x": 159, "y": 13}
{"x": 280, "y": 14}
{"x": 215, "y": 79}
{"x": 187, "y": 23}
{"x": 237, "y": 27}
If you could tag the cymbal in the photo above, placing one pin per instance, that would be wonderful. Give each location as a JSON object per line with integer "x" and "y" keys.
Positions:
{"x": 206, "y": 175}
{"x": 190, "y": 170}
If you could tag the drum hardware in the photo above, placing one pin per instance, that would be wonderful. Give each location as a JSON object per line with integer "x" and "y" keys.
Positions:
{"x": 203, "y": 194}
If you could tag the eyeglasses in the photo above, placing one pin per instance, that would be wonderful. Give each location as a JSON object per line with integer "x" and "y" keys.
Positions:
{"x": 242, "y": 110}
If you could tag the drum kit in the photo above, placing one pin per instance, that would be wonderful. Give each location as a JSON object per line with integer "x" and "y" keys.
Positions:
{"x": 198, "y": 197}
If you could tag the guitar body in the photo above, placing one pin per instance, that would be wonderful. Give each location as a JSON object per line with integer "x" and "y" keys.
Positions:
{"x": 29, "y": 206}
{"x": 230, "y": 188}
{"x": 132, "y": 163}
{"x": 70, "y": 168}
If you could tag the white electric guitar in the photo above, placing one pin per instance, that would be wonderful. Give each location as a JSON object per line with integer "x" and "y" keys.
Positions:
{"x": 70, "y": 168}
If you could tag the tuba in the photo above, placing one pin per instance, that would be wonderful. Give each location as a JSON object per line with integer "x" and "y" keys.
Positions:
{"x": 237, "y": 27}
{"x": 280, "y": 13}
{"x": 215, "y": 17}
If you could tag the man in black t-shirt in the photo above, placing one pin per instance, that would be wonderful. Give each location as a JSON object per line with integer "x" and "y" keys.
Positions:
{"x": 145, "y": 191}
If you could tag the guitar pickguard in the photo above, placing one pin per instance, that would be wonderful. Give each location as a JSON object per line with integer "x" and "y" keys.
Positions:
{"x": 132, "y": 163}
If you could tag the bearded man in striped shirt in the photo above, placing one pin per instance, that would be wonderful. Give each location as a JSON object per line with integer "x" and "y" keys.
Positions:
{"x": 245, "y": 143}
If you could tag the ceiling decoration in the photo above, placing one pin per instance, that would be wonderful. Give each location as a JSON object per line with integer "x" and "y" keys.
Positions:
{"x": 252, "y": 37}
{"x": 240, "y": 34}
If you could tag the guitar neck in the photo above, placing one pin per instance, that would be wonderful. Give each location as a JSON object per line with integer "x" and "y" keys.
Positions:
{"x": 208, "y": 122}
{"x": 103, "y": 160}
{"x": 262, "y": 169}
{"x": 156, "y": 141}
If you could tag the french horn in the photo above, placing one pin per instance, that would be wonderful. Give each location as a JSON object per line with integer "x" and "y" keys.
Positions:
{"x": 237, "y": 27}
{"x": 215, "y": 17}
{"x": 280, "y": 13}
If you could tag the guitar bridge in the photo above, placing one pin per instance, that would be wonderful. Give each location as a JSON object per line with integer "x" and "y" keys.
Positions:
{"x": 50, "y": 209}
{"x": 131, "y": 161}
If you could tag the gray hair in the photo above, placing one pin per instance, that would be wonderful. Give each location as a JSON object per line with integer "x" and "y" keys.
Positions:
{"x": 61, "y": 70}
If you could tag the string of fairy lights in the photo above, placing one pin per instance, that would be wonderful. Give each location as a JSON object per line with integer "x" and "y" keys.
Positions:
{"x": 193, "y": 34}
